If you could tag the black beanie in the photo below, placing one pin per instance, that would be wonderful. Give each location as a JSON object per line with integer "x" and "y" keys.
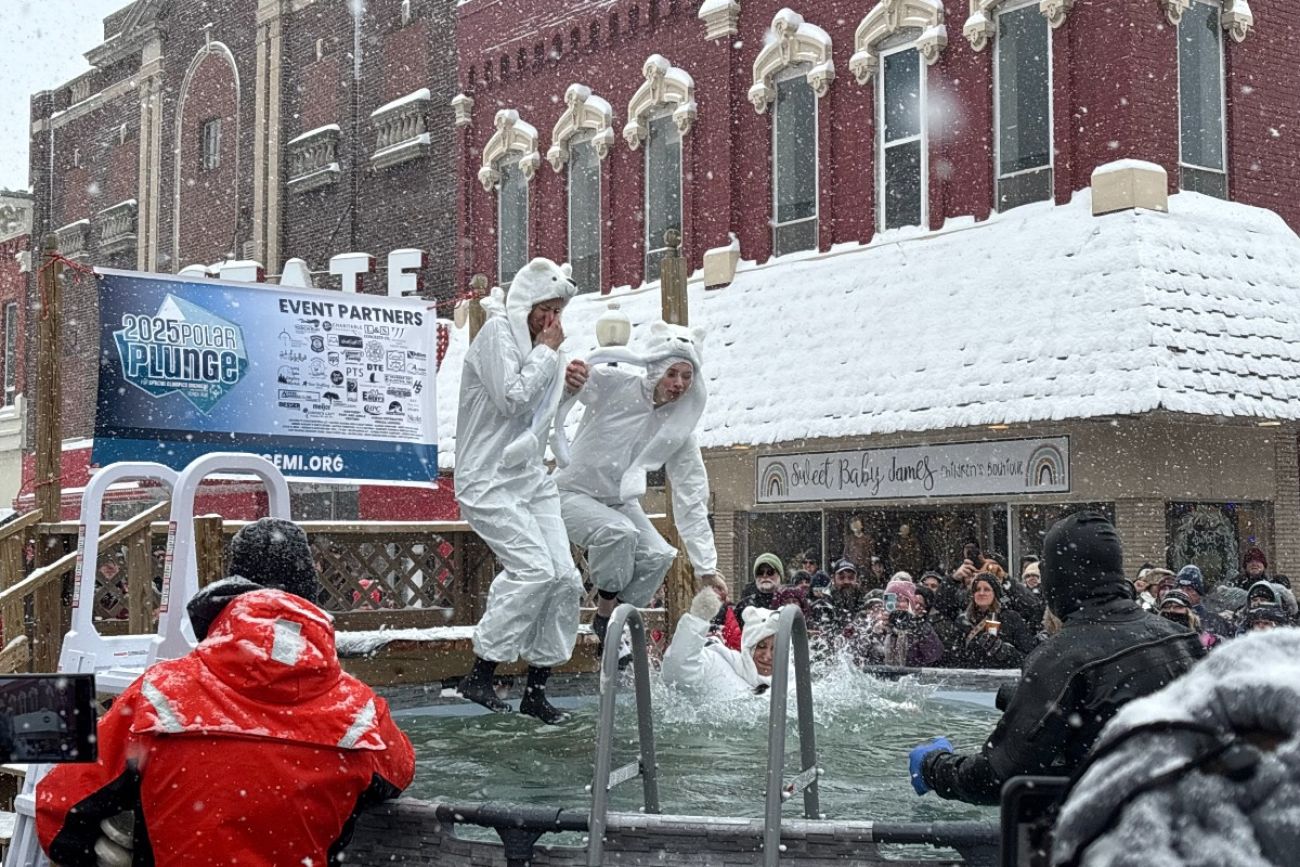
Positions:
{"x": 274, "y": 553}
{"x": 1083, "y": 560}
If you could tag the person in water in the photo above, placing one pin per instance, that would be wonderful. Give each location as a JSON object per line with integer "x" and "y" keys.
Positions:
{"x": 704, "y": 665}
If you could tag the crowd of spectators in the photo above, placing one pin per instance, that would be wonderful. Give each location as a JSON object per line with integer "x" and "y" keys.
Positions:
{"x": 979, "y": 616}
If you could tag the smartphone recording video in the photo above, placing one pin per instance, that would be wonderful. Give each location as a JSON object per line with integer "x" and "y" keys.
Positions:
{"x": 47, "y": 718}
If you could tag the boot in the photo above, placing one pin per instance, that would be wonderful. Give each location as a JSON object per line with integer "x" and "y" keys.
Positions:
{"x": 477, "y": 687}
{"x": 599, "y": 626}
{"x": 535, "y": 703}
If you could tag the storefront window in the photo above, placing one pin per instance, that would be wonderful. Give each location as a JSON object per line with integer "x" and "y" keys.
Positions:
{"x": 788, "y": 535}
{"x": 1214, "y": 536}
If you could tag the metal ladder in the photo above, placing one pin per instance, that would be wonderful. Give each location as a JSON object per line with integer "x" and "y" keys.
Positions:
{"x": 791, "y": 629}
{"x": 645, "y": 765}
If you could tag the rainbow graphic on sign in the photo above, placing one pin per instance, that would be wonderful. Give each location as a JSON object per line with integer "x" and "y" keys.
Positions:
{"x": 1045, "y": 468}
{"x": 776, "y": 482}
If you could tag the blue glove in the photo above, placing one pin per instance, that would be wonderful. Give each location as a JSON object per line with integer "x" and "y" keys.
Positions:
{"x": 918, "y": 754}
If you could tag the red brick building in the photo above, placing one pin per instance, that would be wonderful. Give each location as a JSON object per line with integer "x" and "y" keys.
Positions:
{"x": 854, "y": 174}
{"x": 969, "y": 68}
{"x": 15, "y": 229}
{"x": 247, "y": 130}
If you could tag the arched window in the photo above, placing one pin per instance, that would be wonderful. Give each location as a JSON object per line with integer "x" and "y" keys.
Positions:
{"x": 660, "y": 113}
{"x": 894, "y": 44}
{"x": 1022, "y": 108}
{"x": 582, "y": 138}
{"x": 510, "y": 160}
{"x": 792, "y": 71}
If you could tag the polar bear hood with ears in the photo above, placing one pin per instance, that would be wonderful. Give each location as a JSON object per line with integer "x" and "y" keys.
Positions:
{"x": 665, "y": 345}
{"x": 540, "y": 280}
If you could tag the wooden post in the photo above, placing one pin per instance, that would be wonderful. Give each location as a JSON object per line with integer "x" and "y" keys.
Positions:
{"x": 479, "y": 286}
{"x": 679, "y": 584}
{"x": 209, "y": 553}
{"x": 139, "y": 581}
{"x": 49, "y": 436}
{"x": 47, "y": 602}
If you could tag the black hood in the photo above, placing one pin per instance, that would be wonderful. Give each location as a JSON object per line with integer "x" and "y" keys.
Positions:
{"x": 1083, "y": 563}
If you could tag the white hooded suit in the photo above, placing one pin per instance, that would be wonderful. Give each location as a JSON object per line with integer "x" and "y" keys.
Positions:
{"x": 509, "y": 392}
{"x": 704, "y": 666}
{"x": 622, "y": 436}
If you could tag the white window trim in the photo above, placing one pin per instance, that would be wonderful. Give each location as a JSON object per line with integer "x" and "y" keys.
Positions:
{"x": 923, "y": 137}
{"x": 586, "y": 112}
{"x": 1223, "y": 104}
{"x": 796, "y": 72}
{"x": 581, "y": 138}
{"x": 664, "y": 111}
{"x": 1235, "y": 15}
{"x": 664, "y": 85}
{"x": 998, "y": 177}
{"x": 513, "y": 135}
{"x": 501, "y": 235}
{"x": 887, "y": 18}
{"x": 792, "y": 42}
{"x": 10, "y": 353}
{"x": 981, "y": 26}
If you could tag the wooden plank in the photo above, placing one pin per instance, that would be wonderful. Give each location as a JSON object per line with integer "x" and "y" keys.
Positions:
{"x": 12, "y": 617}
{"x": 209, "y": 553}
{"x": 16, "y": 656}
{"x": 395, "y": 618}
{"x": 139, "y": 582}
{"x": 39, "y": 578}
{"x": 18, "y": 525}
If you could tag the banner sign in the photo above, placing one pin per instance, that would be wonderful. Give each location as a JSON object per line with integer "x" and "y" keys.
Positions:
{"x": 328, "y": 386}
{"x": 996, "y": 467}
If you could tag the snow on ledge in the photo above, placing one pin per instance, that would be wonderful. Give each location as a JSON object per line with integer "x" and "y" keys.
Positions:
{"x": 421, "y": 95}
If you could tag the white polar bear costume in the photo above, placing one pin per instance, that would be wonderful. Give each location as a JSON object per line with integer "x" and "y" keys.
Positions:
{"x": 621, "y": 437}
{"x": 704, "y": 666}
{"x": 509, "y": 392}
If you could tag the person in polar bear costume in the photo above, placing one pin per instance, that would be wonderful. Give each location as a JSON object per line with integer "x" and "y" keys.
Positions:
{"x": 634, "y": 423}
{"x": 703, "y": 666}
{"x": 509, "y": 392}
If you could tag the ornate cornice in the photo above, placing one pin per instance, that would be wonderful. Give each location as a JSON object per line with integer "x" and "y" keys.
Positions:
{"x": 664, "y": 84}
{"x": 585, "y": 111}
{"x": 793, "y": 41}
{"x": 980, "y": 27}
{"x": 887, "y": 18}
{"x": 1236, "y": 16}
{"x": 512, "y": 136}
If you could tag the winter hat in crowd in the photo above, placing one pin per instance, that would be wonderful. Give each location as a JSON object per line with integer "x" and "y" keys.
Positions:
{"x": 902, "y": 576}
{"x": 928, "y": 595}
{"x": 873, "y": 597}
{"x": 1190, "y": 577}
{"x": 271, "y": 553}
{"x": 275, "y": 553}
{"x": 991, "y": 579}
{"x": 844, "y": 566}
{"x": 904, "y": 590}
{"x": 1031, "y": 569}
{"x": 759, "y": 623}
{"x": 1274, "y": 594}
{"x": 1254, "y": 555}
{"x": 1083, "y": 561}
{"x": 770, "y": 559}
{"x": 821, "y": 584}
{"x": 1176, "y": 597}
{"x": 1270, "y": 613}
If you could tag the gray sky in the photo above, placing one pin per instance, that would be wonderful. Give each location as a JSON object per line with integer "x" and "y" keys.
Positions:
{"x": 41, "y": 47}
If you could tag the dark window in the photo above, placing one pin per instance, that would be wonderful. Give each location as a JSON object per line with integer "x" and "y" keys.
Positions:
{"x": 11, "y": 353}
{"x": 512, "y": 220}
{"x": 584, "y": 215}
{"x": 1200, "y": 100}
{"x": 211, "y": 144}
{"x": 794, "y": 132}
{"x": 1024, "y": 107}
{"x": 663, "y": 189}
{"x": 902, "y": 140}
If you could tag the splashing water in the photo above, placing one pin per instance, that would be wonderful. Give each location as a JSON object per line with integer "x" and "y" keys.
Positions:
{"x": 712, "y": 755}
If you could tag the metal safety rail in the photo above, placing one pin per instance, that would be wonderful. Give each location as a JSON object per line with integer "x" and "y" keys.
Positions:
{"x": 645, "y": 765}
{"x": 791, "y": 629}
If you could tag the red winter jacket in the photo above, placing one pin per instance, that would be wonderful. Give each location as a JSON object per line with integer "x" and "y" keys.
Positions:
{"x": 254, "y": 749}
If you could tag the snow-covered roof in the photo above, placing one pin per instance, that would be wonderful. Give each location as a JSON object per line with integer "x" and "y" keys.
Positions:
{"x": 1044, "y": 313}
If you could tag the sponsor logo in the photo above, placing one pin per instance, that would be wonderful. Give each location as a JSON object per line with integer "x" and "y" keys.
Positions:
{"x": 399, "y": 392}
{"x": 298, "y": 394}
{"x": 372, "y": 395}
{"x": 349, "y": 341}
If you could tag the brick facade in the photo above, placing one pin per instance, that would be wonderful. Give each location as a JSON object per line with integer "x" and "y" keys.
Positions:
{"x": 1114, "y": 91}
{"x": 270, "y": 72}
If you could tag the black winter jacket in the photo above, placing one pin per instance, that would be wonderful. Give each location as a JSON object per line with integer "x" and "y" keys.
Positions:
{"x": 1108, "y": 652}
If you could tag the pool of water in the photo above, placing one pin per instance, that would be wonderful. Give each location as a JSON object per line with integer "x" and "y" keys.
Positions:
{"x": 712, "y": 757}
